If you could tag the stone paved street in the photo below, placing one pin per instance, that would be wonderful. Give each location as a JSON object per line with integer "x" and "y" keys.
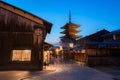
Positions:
{"x": 59, "y": 71}
{"x": 71, "y": 71}
{"x": 114, "y": 70}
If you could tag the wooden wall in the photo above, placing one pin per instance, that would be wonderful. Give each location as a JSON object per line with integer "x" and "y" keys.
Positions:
{"x": 12, "y": 22}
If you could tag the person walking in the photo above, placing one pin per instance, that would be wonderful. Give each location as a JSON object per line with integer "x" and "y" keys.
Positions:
{"x": 52, "y": 58}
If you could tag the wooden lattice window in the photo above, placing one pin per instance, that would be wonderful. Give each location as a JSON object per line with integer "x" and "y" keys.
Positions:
{"x": 21, "y": 55}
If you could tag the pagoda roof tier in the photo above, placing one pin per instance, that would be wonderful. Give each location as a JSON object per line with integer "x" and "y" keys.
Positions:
{"x": 75, "y": 36}
{"x": 70, "y": 25}
{"x": 71, "y": 36}
{"x": 72, "y": 31}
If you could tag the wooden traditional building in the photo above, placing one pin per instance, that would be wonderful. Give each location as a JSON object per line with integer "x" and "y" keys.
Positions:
{"x": 112, "y": 43}
{"x": 22, "y": 36}
{"x": 102, "y": 48}
{"x": 91, "y": 43}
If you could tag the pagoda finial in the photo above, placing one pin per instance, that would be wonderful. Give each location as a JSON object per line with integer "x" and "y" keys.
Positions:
{"x": 69, "y": 16}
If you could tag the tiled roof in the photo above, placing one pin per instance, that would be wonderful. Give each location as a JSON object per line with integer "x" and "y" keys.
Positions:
{"x": 113, "y": 32}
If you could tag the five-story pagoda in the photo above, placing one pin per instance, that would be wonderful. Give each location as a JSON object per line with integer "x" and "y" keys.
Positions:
{"x": 70, "y": 31}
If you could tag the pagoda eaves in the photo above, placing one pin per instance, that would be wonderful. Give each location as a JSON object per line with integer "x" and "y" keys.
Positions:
{"x": 70, "y": 25}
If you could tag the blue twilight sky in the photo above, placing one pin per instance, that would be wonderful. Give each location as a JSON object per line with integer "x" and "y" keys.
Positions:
{"x": 92, "y": 15}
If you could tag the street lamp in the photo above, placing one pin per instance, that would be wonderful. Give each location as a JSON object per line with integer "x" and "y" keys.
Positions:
{"x": 57, "y": 51}
{"x": 70, "y": 49}
{"x": 61, "y": 48}
{"x": 71, "y": 45}
{"x": 38, "y": 31}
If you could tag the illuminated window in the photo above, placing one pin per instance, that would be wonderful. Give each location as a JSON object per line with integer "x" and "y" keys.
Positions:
{"x": 21, "y": 55}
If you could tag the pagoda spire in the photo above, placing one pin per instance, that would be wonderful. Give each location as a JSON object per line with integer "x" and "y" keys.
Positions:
{"x": 69, "y": 16}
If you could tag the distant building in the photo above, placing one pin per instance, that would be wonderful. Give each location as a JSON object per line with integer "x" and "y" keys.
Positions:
{"x": 47, "y": 53}
{"x": 47, "y": 46}
{"x": 70, "y": 31}
{"x": 22, "y": 36}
